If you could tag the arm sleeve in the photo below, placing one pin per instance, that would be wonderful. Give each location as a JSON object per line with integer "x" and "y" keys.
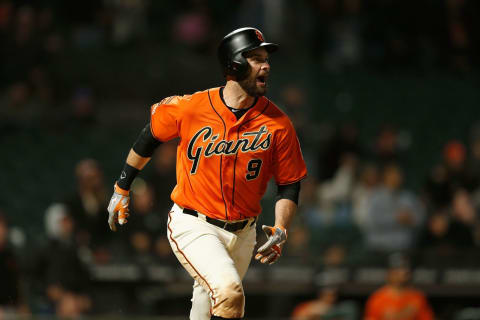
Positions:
{"x": 165, "y": 118}
{"x": 288, "y": 163}
{"x": 146, "y": 142}
{"x": 288, "y": 191}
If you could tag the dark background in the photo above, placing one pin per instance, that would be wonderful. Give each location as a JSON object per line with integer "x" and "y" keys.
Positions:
{"x": 367, "y": 83}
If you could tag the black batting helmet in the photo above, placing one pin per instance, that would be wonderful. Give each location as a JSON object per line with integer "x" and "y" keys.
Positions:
{"x": 235, "y": 44}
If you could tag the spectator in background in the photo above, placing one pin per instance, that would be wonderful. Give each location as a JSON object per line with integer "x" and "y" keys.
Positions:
{"x": 86, "y": 22}
{"x": 298, "y": 250}
{"x": 474, "y": 165}
{"x": 345, "y": 49}
{"x": 326, "y": 306}
{"x": 386, "y": 148}
{"x": 161, "y": 181}
{"x": 88, "y": 205}
{"x": 335, "y": 194}
{"x": 437, "y": 189}
{"x": 448, "y": 176}
{"x": 294, "y": 105}
{"x": 18, "y": 111}
{"x": 163, "y": 177}
{"x": 162, "y": 252}
{"x": 128, "y": 20}
{"x": 83, "y": 107}
{"x": 146, "y": 238}
{"x": 11, "y": 300}
{"x": 455, "y": 161}
{"x": 344, "y": 141}
{"x": 146, "y": 223}
{"x": 20, "y": 50}
{"x": 194, "y": 27}
{"x": 334, "y": 256}
{"x": 398, "y": 299}
{"x": 459, "y": 38}
{"x": 444, "y": 240}
{"x": 394, "y": 216}
{"x": 464, "y": 214}
{"x": 308, "y": 205}
{"x": 143, "y": 208}
{"x": 362, "y": 194}
{"x": 6, "y": 11}
{"x": 60, "y": 266}
{"x": 27, "y": 45}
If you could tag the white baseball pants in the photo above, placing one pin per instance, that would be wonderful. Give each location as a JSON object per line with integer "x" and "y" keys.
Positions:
{"x": 216, "y": 259}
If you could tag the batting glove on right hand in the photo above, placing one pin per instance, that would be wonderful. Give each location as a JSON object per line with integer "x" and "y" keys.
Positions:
{"x": 118, "y": 207}
{"x": 272, "y": 249}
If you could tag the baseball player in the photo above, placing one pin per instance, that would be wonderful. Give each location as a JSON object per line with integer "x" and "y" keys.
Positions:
{"x": 233, "y": 140}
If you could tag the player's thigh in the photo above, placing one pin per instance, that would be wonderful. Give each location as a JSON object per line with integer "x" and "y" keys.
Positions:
{"x": 201, "y": 251}
{"x": 243, "y": 251}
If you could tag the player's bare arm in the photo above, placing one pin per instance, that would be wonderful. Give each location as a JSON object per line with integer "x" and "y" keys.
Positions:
{"x": 137, "y": 161}
{"x": 285, "y": 209}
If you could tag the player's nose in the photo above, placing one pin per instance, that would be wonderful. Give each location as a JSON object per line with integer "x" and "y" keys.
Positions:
{"x": 265, "y": 66}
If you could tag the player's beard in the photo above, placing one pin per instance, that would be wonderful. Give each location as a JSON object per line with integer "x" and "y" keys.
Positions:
{"x": 249, "y": 85}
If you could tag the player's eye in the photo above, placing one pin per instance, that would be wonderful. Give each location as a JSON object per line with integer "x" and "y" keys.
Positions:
{"x": 261, "y": 60}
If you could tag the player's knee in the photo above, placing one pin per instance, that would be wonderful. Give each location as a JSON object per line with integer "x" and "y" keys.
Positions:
{"x": 230, "y": 301}
{"x": 232, "y": 295}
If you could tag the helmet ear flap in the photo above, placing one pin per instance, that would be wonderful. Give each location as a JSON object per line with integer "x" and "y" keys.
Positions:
{"x": 236, "y": 66}
{"x": 239, "y": 66}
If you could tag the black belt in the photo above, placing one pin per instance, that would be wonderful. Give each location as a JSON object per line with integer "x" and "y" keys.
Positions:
{"x": 229, "y": 226}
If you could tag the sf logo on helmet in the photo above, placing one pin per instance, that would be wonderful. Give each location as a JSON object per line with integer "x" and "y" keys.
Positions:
{"x": 259, "y": 35}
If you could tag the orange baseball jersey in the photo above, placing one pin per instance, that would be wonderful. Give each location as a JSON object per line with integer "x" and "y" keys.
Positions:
{"x": 386, "y": 304}
{"x": 224, "y": 164}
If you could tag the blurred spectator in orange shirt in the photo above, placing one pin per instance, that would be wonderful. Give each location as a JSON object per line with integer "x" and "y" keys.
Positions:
{"x": 397, "y": 299}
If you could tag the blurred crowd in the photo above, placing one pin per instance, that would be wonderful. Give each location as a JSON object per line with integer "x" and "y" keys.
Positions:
{"x": 77, "y": 237}
{"x": 360, "y": 192}
{"x": 46, "y": 46}
{"x": 355, "y": 210}
{"x": 356, "y": 207}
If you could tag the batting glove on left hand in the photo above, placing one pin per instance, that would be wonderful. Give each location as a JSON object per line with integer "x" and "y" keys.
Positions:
{"x": 118, "y": 207}
{"x": 272, "y": 249}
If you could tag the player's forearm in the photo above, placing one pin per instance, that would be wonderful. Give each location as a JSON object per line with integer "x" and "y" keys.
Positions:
{"x": 138, "y": 157}
{"x": 285, "y": 210}
{"x": 133, "y": 165}
{"x": 137, "y": 161}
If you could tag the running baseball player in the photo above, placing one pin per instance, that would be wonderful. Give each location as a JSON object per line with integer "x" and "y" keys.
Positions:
{"x": 233, "y": 140}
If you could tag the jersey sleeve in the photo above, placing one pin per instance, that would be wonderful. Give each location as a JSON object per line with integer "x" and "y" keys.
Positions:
{"x": 289, "y": 166}
{"x": 164, "y": 119}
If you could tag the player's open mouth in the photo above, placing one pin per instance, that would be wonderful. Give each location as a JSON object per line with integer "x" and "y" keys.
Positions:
{"x": 262, "y": 80}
